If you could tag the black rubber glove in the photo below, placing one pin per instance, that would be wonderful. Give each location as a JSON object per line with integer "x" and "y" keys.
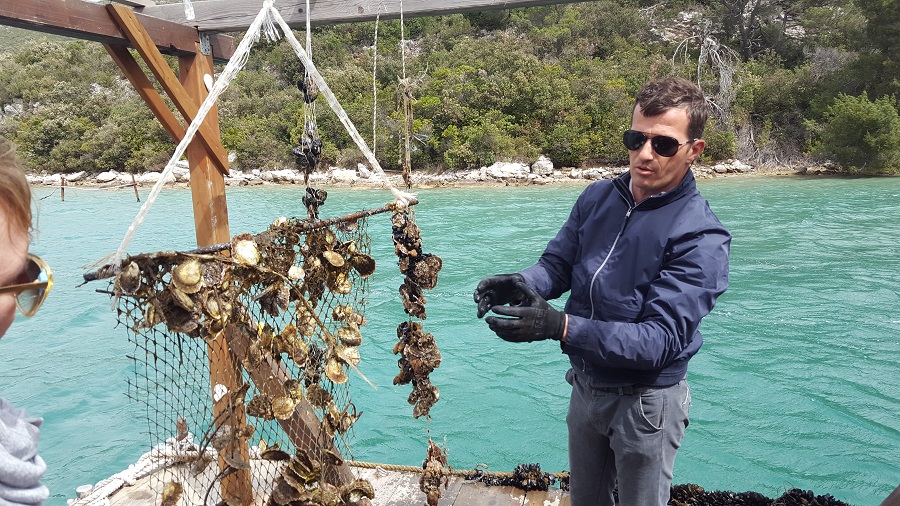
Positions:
{"x": 497, "y": 291}
{"x": 534, "y": 320}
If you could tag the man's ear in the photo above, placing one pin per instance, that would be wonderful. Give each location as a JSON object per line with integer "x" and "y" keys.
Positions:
{"x": 697, "y": 147}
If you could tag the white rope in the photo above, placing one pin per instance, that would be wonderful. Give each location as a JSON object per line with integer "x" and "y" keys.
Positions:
{"x": 159, "y": 457}
{"x": 237, "y": 62}
{"x": 402, "y": 197}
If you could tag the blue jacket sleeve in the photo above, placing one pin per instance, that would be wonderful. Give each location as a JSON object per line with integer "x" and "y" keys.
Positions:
{"x": 684, "y": 292}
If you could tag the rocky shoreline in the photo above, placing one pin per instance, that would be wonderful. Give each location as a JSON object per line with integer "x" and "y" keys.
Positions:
{"x": 541, "y": 172}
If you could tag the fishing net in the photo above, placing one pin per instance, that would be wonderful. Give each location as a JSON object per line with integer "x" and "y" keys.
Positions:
{"x": 243, "y": 352}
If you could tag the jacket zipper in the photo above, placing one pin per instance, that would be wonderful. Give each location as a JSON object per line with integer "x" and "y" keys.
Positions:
{"x": 611, "y": 249}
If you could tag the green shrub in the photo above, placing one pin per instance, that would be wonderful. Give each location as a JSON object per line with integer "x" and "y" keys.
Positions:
{"x": 720, "y": 143}
{"x": 859, "y": 134}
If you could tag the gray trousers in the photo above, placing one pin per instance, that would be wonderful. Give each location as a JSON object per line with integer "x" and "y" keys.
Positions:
{"x": 629, "y": 436}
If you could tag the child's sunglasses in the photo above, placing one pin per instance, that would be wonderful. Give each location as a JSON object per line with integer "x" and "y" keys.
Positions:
{"x": 662, "y": 144}
{"x": 32, "y": 285}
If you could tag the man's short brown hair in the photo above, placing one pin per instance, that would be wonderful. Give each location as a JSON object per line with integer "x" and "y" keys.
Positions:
{"x": 660, "y": 95}
{"x": 15, "y": 194}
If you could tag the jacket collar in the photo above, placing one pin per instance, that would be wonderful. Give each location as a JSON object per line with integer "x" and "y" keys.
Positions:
{"x": 687, "y": 184}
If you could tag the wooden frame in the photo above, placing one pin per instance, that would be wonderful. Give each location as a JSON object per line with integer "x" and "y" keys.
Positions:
{"x": 89, "y": 21}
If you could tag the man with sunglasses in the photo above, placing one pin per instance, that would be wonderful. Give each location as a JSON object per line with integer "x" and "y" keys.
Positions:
{"x": 644, "y": 259}
{"x": 24, "y": 282}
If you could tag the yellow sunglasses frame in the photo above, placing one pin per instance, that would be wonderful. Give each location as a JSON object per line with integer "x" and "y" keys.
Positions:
{"x": 23, "y": 287}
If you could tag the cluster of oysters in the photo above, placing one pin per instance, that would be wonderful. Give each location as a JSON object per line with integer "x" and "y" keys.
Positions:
{"x": 419, "y": 354}
{"x": 300, "y": 483}
{"x": 304, "y": 285}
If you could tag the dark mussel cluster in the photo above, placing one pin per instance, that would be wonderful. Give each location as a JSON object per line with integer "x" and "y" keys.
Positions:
{"x": 526, "y": 477}
{"x": 695, "y": 495}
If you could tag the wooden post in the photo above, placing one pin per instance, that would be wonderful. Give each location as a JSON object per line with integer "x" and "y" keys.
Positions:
{"x": 211, "y": 222}
{"x": 893, "y": 499}
{"x": 62, "y": 189}
{"x": 134, "y": 185}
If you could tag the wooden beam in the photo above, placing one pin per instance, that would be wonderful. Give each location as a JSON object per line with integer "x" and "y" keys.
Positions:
{"x": 236, "y": 15}
{"x": 85, "y": 20}
{"x": 211, "y": 224}
{"x": 303, "y": 426}
{"x": 141, "y": 40}
{"x": 135, "y": 74}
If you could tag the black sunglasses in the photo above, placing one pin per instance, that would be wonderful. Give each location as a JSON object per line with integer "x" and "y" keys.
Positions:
{"x": 662, "y": 144}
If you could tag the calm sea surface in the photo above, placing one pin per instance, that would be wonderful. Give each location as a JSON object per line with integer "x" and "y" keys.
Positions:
{"x": 797, "y": 384}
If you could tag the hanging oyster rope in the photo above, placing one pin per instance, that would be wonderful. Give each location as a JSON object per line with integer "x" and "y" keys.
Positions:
{"x": 418, "y": 351}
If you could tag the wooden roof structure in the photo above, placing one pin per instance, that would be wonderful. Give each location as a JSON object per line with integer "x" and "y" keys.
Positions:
{"x": 157, "y": 30}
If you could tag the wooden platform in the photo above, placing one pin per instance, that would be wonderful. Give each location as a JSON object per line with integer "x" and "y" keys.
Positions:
{"x": 392, "y": 488}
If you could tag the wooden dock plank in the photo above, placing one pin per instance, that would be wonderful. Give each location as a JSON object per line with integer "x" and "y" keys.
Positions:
{"x": 449, "y": 495}
{"x": 552, "y": 497}
{"x": 479, "y": 494}
{"x": 392, "y": 488}
{"x": 406, "y": 492}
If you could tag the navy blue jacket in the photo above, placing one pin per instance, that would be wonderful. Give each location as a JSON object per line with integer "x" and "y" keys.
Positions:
{"x": 641, "y": 279}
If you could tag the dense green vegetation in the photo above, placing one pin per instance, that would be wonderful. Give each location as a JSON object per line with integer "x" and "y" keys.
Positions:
{"x": 791, "y": 81}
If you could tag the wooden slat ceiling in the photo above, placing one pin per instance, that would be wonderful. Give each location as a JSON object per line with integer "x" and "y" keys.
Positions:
{"x": 236, "y": 15}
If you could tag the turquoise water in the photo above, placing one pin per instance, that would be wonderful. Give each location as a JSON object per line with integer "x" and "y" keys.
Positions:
{"x": 797, "y": 384}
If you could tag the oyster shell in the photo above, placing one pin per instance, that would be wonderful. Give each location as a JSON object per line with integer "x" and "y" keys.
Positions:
{"x": 283, "y": 407}
{"x": 364, "y": 264}
{"x": 318, "y": 396}
{"x": 187, "y": 276}
{"x": 334, "y": 371}
{"x": 260, "y": 406}
{"x": 274, "y": 299}
{"x": 244, "y": 250}
{"x": 354, "y": 491}
{"x": 128, "y": 280}
{"x": 349, "y": 335}
{"x": 296, "y": 273}
{"x": 348, "y": 355}
{"x": 333, "y": 258}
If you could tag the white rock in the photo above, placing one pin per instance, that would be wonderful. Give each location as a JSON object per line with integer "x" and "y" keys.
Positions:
{"x": 105, "y": 177}
{"x": 503, "y": 170}
{"x": 77, "y": 176}
{"x": 363, "y": 171}
{"x": 154, "y": 177}
{"x": 280, "y": 176}
{"x": 344, "y": 175}
{"x": 542, "y": 167}
{"x": 181, "y": 175}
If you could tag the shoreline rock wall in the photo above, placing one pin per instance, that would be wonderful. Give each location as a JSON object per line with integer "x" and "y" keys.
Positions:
{"x": 540, "y": 172}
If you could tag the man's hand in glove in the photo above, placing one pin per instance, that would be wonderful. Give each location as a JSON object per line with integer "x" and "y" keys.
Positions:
{"x": 497, "y": 291}
{"x": 533, "y": 320}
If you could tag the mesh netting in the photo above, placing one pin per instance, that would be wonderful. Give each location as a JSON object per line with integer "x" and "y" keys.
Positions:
{"x": 243, "y": 352}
